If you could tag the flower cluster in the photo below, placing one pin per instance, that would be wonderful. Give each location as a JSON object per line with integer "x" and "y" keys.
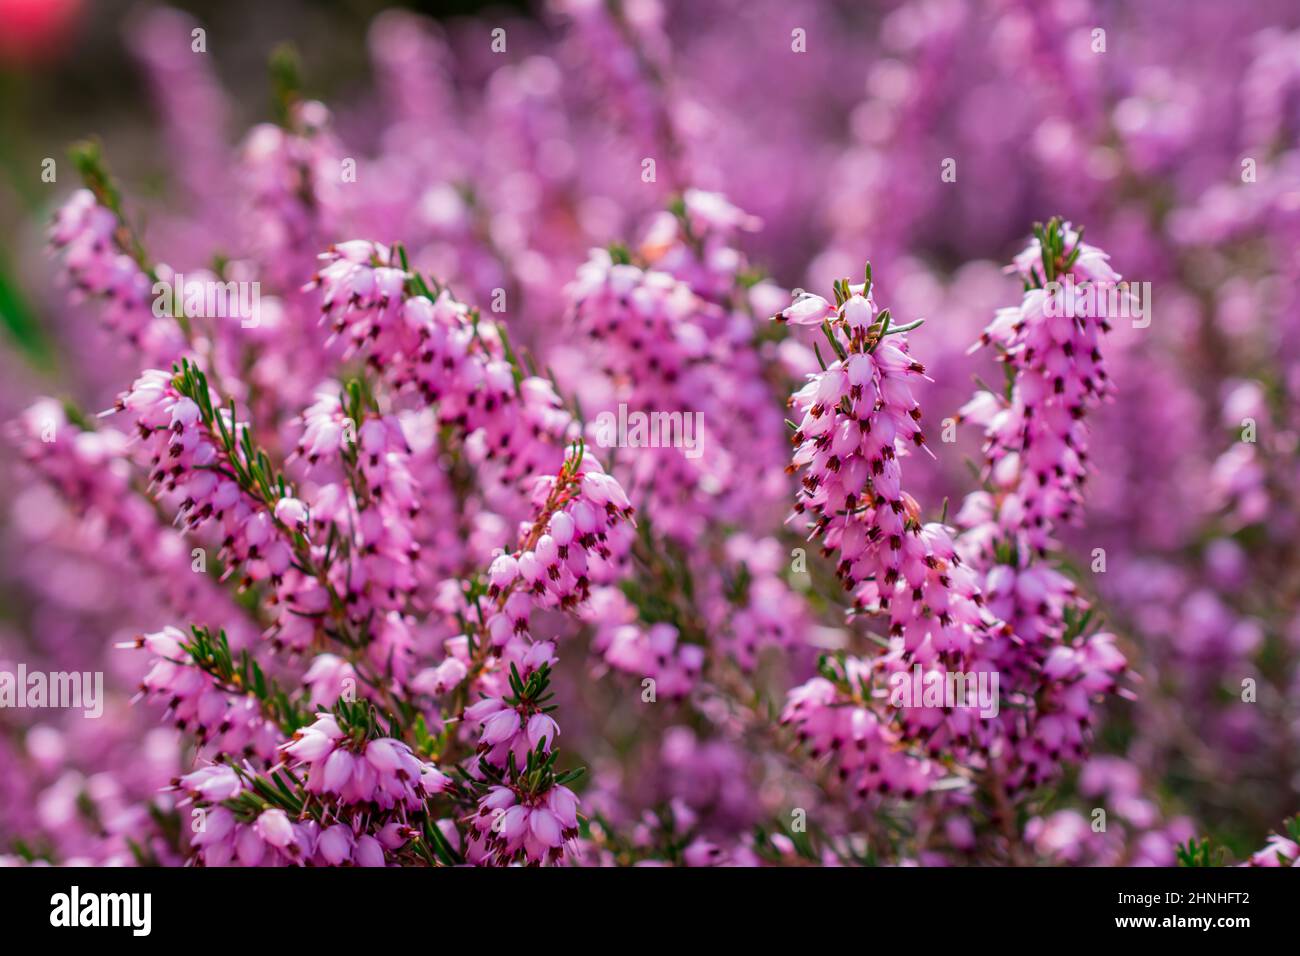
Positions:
{"x": 383, "y": 574}
{"x": 202, "y": 460}
{"x": 224, "y": 719}
{"x": 676, "y": 342}
{"x": 98, "y": 265}
{"x": 856, "y": 420}
{"x": 1036, "y": 439}
{"x": 1035, "y": 446}
{"x": 428, "y": 342}
{"x": 841, "y": 722}
{"x": 527, "y": 813}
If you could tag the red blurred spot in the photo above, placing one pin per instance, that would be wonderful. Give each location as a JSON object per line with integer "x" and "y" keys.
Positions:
{"x": 32, "y": 31}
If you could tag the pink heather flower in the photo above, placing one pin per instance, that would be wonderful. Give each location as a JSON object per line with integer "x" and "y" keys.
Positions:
{"x": 369, "y": 852}
{"x": 808, "y": 309}
{"x": 336, "y": 844}
{"x": 501, "y": 726}
{"x": 505, "y": 729}
{"x": 533, "y": 831}
{"x": 337, "y": 770}
{"x": 292, "y": 513}
{"x": 1036, "y": 454}
{"x": 385, "y": 756}
{"x": 92, "y": 470}
{"x": 675, "y": 338}
{"x": 436, "y": 681}
{"x": 702, "y": 853}
{"x": 181, "y": 452}
{"x": 1036, "y": 444}
{"x": 541, "y": 731}
{"x": 432, "y": 346}
{"x": 512, "y": 720}
{"x": 212, "y": 784}
{"x": 434, "y": 780}
{"x": 855, "y": 422}
{"x": 315, "y": 741}
{"x": 642, "y": 652}
{"x": 1279, "y": 851}
{"x": 225, "y": 722}
{"x": 328, "y": 677}
{"x": 868, "y": 754}
{"x": 273, "y": 826}
{"x": 384, "y": 772}
{"x": 325, "y": 427}
{"x": 293, "y": 195}
{"x": 97, "y": 265}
